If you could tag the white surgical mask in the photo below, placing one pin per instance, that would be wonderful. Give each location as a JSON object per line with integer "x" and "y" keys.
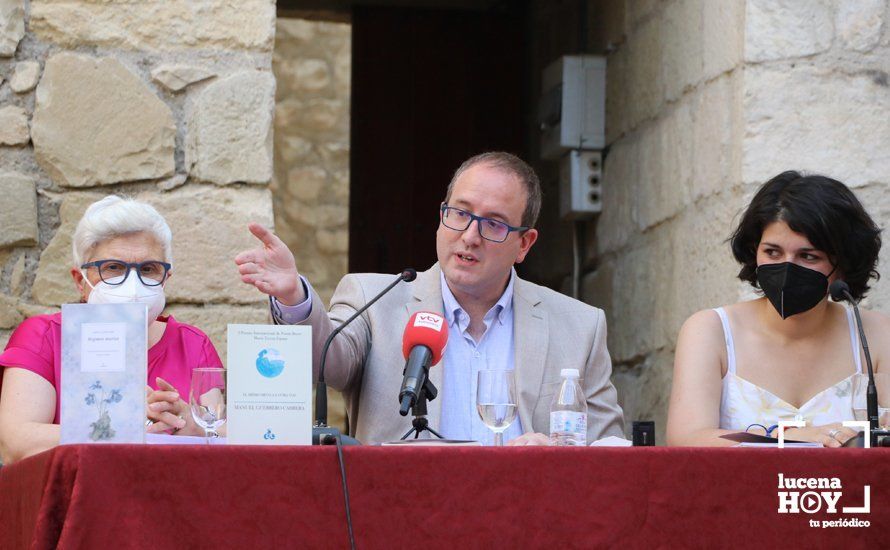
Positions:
{"x": 132, "y": 290}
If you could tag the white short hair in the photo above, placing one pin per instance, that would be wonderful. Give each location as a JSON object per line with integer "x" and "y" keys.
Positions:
{"x": 114, "y": 216}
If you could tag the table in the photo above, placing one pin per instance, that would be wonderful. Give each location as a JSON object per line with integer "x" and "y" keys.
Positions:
{"x": 91, "y": 496}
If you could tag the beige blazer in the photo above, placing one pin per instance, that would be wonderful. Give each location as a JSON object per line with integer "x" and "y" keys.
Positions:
{"x": 551, "y": 332}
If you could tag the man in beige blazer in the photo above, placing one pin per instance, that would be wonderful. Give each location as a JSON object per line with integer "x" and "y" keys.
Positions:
{"x": 486, "y": 226}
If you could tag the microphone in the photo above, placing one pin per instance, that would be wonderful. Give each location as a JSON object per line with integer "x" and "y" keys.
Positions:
{"x": 840, "y": 292}
{"x": 423, "y": 344}
{"x": 321, "y": 433}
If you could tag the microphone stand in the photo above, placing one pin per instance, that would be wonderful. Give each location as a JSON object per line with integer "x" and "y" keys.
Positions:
{"x": 420, "y": 423}
{"x": 877, "y": 437}
{"x": 322, "y": 434}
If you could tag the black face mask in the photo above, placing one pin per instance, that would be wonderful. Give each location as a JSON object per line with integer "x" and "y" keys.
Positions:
{"x": 792, "y": 288}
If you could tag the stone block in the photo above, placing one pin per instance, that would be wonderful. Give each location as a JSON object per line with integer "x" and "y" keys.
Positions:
{"x": 786, "y": 29}
{"x": 97, "y": 123}
{"x": 18, "y": 210}
{"x": 827, "y": 121}
{"x": 294, "y": 150}
{"x": 298, "y": 212}
{"x": 617, "y": 95}
{"x": 9, "y": 314}
{"x": 859, "y": 23}
{"x": 645, "y": 87}
{"x": 723, "y": 36}
{"x": 619, "y": 218}
{"x": 682, "y": 46}
{"x": 324, "y": 115}
{"x": 716, "y": 136}
{"x": 333, "y": 242}
{"x": 596, "y": 288}
{"x": 343, "y": 65}
{"x": 230, "y": 129}
{"x": 340, "y": 186}
{"x": 701, "y": 261}
{"x": 635, "y": 321}
{"x": 306, "y": 183}
{"x": 305, "y": 76}
{"x": 330, "y": 215}
{"x": 4, "y": 338}
{"x": 30, "y": 310}
{"x": 172, "y": 183}
{"x": 147, "y": 26}
{"x": 176, "y": 76}
{"x": 294, "y": 32}
{"x": 209, "y": 228}
{"x": 312, "y": 117}
{"x": 53, "y": 285}
{"x": 638, "y": 12}
{"x": 335, "y": 155}
{"x": 14, "y": 126}
{"x": 666, "y": 163}
{"x": 25, "y": 77}
{"x": 17, "y": 276}
{"x": 213, "y": 319}
{"x": 12, "y": 26}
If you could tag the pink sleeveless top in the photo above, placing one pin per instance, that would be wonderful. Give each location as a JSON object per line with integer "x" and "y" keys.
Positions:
{"x": 36, "y": 345}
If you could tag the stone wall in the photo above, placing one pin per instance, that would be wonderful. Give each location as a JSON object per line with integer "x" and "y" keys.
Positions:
{"x": 171, "y": 102}
{"x": 310, "y": 186}
{"x": 705, "y": 101}
{"x": 312, "y": 63}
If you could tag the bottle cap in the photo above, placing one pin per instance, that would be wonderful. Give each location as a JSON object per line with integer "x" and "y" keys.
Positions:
{"x": 570, "y": 373}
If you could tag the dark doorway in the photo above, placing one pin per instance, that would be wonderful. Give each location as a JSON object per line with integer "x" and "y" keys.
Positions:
{"x": 430, "y": 88}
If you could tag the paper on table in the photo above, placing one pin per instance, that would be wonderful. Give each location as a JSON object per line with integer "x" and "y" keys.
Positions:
{"x": 612, "y": 441}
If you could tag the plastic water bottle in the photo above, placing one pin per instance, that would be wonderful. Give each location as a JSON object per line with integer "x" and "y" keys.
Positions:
{"x": 568, "y": 412}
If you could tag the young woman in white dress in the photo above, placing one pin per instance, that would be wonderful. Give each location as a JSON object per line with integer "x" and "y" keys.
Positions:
{"x": 791, "y": 354}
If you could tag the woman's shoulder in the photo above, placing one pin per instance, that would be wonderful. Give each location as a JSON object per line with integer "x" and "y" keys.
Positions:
{"x": 35, "y": 328}
{"x": 874, "y": 319}
{"x": 704, "y": 324}
{"x": 185, "y": 331}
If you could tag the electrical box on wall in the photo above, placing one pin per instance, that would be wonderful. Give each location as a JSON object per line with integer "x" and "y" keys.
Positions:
{"x": 580, "y": 184}
{"x": 572, "y": 110}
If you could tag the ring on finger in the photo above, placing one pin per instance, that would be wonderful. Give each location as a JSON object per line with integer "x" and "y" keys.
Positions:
{"x": 833, "y": 434}
{"x": 179, "y": 416}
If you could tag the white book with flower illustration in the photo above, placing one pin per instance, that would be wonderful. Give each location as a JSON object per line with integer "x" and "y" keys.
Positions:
{"x": 269, "y": 385}
{"x": 104, "y": 362}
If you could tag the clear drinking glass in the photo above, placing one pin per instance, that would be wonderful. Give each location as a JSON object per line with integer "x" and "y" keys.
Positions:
{"x": 496, "y": 401}
{"x": 860, "y": 386}
{"x": 207, "y": 398}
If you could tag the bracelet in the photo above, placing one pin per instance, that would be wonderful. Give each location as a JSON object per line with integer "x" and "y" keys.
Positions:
{"x": 769, "y": 431}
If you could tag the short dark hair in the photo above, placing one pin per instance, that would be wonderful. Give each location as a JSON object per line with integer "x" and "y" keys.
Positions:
{"x": 513, "y": 165}
{"x": 822, "y": 209}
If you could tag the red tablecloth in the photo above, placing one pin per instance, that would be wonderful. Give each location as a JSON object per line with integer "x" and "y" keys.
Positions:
{"x": 243, "y": 497}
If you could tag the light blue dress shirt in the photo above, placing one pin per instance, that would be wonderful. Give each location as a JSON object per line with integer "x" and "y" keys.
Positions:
{"x": 463, "y": 360}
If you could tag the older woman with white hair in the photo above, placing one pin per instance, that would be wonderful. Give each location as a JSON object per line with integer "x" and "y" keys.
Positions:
{"x": 122, "y": 253}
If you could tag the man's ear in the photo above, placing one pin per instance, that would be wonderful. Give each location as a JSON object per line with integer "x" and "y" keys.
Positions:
{"x": 525, "y": 244}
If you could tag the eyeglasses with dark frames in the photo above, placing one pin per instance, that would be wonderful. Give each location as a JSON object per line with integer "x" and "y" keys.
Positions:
{"x": 151, "y": 273}
{"x": 489, "y": 229}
